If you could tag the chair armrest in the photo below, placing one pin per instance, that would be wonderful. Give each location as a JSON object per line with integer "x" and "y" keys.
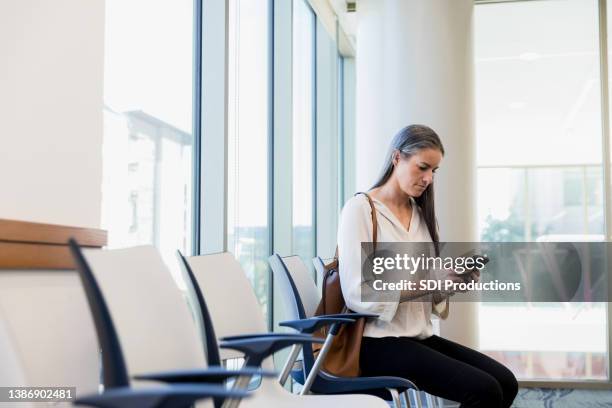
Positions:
{"x": 356, "y": 384}
{"x": 253, "y": 335}
{"x": 258, "y": 348}
{"x": 312, "y": 324}
{"x": 167, "y": 397}
{"x": 353, "y": 316}
{"x": 208, "y": 375}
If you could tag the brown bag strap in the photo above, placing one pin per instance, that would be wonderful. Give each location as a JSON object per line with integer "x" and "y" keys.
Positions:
{"x": 374, "y": 219}
{"x": 323, "y": 302}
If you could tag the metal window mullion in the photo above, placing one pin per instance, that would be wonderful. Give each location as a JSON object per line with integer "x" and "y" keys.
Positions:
{"x": 270, "y": 102}
{"x": 605, "y": 128}
{"x": 197, "y": 127}
{"x": 315, "y": 141}
{"x": 341, "y": 167}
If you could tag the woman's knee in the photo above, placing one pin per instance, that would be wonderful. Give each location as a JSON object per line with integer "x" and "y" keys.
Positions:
{"x": 491, "y": 394}
{"x": 484, "y": 391}
{"x": 509, "y": 386}
{"x": 507, "y": 381}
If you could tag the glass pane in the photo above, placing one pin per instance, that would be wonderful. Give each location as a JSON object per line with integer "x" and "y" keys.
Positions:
{"x": 547, "y": 340}
{"x": 147, "y": 147}
{"x": 303, "y": 128}
{"x": 501, "y": 205}
{"x": 327, "y": 141}
{"x": 540, "y": 174}
{"x": 566, "y": 203}
{"x": 248, "y": 232}
{"x": 537, "y": 83}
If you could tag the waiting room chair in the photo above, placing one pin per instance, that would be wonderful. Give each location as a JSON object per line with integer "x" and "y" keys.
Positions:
{"x": 301, "y": 297}
{"x": 47, "y": 336}
{"x": 145, "y": 327}
{"x": 232, "y": 308}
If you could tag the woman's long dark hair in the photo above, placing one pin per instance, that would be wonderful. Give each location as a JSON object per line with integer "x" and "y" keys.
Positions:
{"x": 408, "y": 141}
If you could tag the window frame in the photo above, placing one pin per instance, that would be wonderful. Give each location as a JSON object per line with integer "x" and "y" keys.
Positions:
{"x": 607, "y": 174}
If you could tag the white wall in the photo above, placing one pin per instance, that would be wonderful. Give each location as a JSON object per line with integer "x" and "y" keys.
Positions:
{"x": 51, "y": 81}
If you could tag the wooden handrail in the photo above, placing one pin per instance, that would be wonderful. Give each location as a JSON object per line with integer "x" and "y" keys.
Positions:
{"x": 33, "y": 245}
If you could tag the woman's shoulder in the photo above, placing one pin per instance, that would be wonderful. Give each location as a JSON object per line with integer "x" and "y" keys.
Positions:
{"x": 356, "y": 207}
{"x": 358, "y": 202}
{"x": 356, "y": 218}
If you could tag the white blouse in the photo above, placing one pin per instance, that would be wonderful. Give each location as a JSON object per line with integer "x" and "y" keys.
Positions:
{"x": 410, "y": 319}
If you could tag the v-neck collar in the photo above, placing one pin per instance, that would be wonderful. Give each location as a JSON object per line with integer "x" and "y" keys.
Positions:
{"x": 390, "y": 215}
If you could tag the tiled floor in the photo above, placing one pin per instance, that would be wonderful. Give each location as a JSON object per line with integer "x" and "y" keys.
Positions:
{"x": 556, "y": 398}
{"x": 562, "y": 398}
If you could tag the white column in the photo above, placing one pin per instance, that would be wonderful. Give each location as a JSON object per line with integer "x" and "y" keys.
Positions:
{"x": 415, "y": 64}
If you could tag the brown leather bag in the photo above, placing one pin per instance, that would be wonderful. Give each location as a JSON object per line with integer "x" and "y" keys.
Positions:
{"x": 343, "y": 356}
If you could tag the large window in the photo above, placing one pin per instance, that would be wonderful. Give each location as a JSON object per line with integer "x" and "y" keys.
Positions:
{"x": 151, "y": 94}
{"x": 540, "y": 174}
{"x": 327, "y": 148}
{"x": 303, "y": 130}
{"x": 148, "y": 141}
{"x": 317, "y": 135}
{"x": 248, "y": 148}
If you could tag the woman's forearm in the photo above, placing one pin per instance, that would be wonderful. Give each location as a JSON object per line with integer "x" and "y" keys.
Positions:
{"x": 439, "y": 297}
{"x": 408, "y": 295}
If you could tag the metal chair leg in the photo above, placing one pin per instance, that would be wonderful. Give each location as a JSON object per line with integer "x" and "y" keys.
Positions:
{"x": 395, "y": 397}
{"x": 406, "y": 397}
{"x": 242, "y": 382}
{"x": 314, "y": 371}
{"x": 417, "y": 397}
{"x": 293, "y": 355}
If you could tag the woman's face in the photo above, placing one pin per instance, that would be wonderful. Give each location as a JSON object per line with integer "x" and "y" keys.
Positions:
{"x": 415, "y": 173}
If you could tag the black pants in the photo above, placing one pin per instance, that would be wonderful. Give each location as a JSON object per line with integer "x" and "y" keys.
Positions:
{"x": 442, "y": 368}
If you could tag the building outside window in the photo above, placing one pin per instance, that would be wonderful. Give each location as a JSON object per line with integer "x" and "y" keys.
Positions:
{"x": 148, "y": 139}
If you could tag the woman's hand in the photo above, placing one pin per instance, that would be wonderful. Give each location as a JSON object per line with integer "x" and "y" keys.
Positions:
{"x": 473, "y": 275}
{"x": 449, "y": 274}
{"x": 467, "y": 277}
{"x": 444, "y": 275}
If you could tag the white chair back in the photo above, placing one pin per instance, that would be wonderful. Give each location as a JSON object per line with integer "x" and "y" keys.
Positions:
{"x": 304, "y": 283}
{"x": 47, "y": 336}
{"x": 229, "y": 296}
{"x": 156, "y": 329}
